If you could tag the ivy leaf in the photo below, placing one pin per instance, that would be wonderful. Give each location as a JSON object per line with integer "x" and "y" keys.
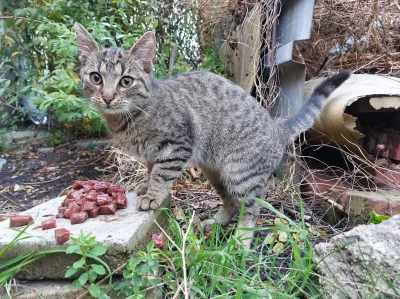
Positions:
{"x": 99, "y": 269}
{"x": 98, "y": 250}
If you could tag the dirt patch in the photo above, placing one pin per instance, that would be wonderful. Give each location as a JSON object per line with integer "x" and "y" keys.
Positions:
{"x": 27, "y": 180}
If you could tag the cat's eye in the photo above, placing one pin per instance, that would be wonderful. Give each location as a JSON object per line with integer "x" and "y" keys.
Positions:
{"x": 126, "y": 81}
{"x": 96, "y": 78}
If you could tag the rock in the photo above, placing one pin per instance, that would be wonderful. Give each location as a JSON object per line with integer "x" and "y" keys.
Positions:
{"x": 45, "y": 150}
{"x": 2, "y": 163}
{"x": 60, "y": 289}
{"x": 12, "y": 140}
{"x": 360, "y": 262}
{"x": 124, "y": 233}
{"x": 21, "y": 152}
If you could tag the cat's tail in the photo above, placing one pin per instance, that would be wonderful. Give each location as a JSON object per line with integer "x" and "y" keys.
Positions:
{"x": 305, "y": 117}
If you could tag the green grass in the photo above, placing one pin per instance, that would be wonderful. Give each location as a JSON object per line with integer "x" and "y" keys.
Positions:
{"x": 9, "y": 268}
{"x": 194, "y": 265}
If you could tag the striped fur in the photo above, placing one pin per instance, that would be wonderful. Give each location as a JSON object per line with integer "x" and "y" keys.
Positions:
{"x": 195, "y": 118}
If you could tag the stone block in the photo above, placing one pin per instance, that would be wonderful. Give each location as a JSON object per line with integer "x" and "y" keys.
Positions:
{"x": 124, "y": 233}
{"x": 361, "y": 263}
{"x": 359, "y": 204}
{"x": 60, "y": 289}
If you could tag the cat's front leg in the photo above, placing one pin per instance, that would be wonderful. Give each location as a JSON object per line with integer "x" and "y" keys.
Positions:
{"x": 143, "y": 186}
{"x": 164, "y": 173}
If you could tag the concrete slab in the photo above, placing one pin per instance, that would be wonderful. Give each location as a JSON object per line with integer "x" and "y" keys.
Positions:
{"x": 125, "y": 233}
{"x": 60, "y": 289}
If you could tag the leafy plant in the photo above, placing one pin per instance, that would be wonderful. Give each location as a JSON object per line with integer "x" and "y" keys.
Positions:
{"x": 376, "y": 218}
{"x": 38, "y": 50}
{"x": 89, "y": 250}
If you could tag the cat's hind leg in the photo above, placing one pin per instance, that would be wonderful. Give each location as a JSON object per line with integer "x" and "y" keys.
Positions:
{"x": 229, "y": 207}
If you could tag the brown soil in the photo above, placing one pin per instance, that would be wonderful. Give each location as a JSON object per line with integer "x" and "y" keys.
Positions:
{"x": 27, "y": 180}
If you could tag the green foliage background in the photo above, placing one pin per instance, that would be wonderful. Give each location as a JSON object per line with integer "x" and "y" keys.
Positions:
{"x": 38, "y": 50}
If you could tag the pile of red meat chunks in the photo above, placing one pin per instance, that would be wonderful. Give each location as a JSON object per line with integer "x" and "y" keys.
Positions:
{"x": 90, "y": 199}
{"x": 85, "y": 199}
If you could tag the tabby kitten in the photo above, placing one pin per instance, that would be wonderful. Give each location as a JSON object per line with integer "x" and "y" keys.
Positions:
{"x": 194, "y": 118}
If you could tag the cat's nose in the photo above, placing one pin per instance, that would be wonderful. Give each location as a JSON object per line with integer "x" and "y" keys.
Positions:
{"x": 108, "y": 97}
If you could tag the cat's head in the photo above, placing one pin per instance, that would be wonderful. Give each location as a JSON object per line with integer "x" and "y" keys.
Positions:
{"x": 113, "y": 79}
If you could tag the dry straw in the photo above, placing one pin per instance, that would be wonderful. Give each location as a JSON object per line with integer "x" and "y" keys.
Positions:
{"x": 361, "y": 35}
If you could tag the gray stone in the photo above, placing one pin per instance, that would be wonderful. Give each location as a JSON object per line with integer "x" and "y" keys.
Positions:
{"x": 125, "y": 233}
{"x": 58, "y": 290}
{"x": 92, "y": 144}
{"x": 360, "y": 263}
{"x": 13, "y": 140}
{"x": 21, "y": 151}
{"x": 15, "y": 136}
{"x": 46, "y": 150}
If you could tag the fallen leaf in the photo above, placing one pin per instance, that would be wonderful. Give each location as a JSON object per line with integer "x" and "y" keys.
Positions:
{"x": 178, "y": 214}
{"x": 278, "y": 247}
{"x": 260, "y": 221}
{"x": 18, "y": 188}
{"x": 283, "y": 237}
{"x": 270, "y": 240}
{"x": 280, "y": 220}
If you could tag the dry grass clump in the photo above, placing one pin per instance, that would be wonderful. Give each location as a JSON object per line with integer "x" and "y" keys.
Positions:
{"x": 361, "y": 35}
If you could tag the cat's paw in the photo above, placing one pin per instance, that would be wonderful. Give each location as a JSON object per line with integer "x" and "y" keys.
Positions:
{"x": 145, "y": 202}
{"x": 207, "y": 225}
{"x": 141, "y": 188}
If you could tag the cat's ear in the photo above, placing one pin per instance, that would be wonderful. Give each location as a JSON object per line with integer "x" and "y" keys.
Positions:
{"x": 87, "y": 45}
{"x": 144, "y": 50}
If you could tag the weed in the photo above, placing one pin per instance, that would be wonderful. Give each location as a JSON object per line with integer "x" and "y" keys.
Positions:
{"x": 88, "y": 249}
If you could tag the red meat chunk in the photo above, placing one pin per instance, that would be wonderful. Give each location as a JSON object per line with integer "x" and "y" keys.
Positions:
{"x": 87, "y": 188}
{"x": 20, "y": 220}
{"x": 158, "y": 240}
{"x": 103, "y": 199}
{"x": 120, "y": 200}
{"x": 61, "y": 211}
{"x": 78, "y": 217}
{"x": 69, "y": 193}
{"x": 88, "y": 205}
{"x": 108, "y": 209}
{"x": 62, "y": 235}
{"x": 78, "y": 184}
{"x": 113, "y": 188}
{"x": 73, "y": 208}
{"x": 48, "y": 223}
{"x": 91, "y": 196}
{"x": 93, "y": 213}
{"x": 100, "y": 187}
{"x": 77, "y": 194}
{"x": 93, "y": 182}
{"x": 67, "y": 201}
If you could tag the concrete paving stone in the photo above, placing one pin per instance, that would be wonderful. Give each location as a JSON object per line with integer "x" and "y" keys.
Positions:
{"x": 125, "y": 233}
{"x": 45, "y": 150}
{"x": 60, "y": 290}
{"x": 14, "y": 136}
